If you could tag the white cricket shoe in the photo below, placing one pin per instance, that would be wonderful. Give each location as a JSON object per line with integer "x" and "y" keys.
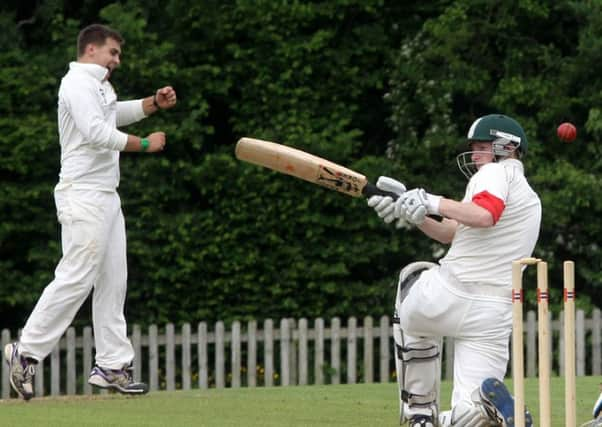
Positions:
{"x": 21, "y": 371}
{"x": 116, "y": 379}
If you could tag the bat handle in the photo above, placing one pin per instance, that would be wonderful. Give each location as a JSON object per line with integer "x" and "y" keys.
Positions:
{"x": 372, "y": 190}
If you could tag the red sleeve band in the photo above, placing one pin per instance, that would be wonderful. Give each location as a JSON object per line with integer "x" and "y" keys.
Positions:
{"x": 493, "y": 204}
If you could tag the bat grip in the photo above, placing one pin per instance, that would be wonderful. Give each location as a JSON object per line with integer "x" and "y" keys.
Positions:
{"x": 372, "y": 190}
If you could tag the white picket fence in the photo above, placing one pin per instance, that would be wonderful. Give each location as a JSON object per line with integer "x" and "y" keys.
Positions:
{"x": 293, "y": 353}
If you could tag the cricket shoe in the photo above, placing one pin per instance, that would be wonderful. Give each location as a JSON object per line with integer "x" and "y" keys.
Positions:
{"x": 21, "y": 371}
{"x": 494, "y": 392}
{"x": 116, "y": 379}
{"x": 421, "y": 421}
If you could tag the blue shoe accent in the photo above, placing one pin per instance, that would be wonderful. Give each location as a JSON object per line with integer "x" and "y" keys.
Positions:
{"x": 496, "y": 392}
{"x": 597, "y": 412}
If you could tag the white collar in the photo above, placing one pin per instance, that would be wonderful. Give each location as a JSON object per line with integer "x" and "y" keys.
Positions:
{"x": 97, "y": 71}
{"x": 514, "y": 163}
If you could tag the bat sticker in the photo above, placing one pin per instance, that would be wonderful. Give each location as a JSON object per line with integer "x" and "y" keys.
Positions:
{"x": 337, "y": 180}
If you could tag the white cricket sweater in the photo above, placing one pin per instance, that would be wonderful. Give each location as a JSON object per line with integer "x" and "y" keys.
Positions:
{"x": 88, "y": 117}
{"x": 485, "y": 255}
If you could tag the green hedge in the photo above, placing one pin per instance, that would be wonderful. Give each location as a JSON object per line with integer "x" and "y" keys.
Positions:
{"x": 383, "y": 87}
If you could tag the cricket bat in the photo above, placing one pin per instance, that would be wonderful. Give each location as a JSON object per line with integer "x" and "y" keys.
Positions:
{"x": 308, "y": 167}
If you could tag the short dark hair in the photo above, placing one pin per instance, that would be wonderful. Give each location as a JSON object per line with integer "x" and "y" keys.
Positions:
{"x": 96, "y": 34}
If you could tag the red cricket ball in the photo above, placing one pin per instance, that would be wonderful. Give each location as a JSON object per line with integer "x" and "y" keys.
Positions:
{"x": 567, "y": 132}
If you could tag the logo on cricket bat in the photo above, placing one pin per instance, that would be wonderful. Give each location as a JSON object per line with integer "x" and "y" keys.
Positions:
{"x": 338, "y": 181}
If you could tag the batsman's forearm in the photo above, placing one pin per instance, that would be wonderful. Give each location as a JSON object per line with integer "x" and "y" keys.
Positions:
{"x": 466, "y": 213}
{"x": 442, "y": 231}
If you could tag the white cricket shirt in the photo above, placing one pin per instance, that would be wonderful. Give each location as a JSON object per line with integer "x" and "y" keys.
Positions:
{"x": 88, "y": 117}
{"x": 485, "y": 255}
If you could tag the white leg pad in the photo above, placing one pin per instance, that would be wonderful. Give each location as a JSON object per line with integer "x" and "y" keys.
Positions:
{"x": 418, "y": 365}
{"x": 417, "y": 362}
{"x": 407, "y": 277}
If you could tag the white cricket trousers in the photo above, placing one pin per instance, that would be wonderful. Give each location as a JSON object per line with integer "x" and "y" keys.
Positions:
{"x": 94, "y": 257}
{"x": 480, "y": 324}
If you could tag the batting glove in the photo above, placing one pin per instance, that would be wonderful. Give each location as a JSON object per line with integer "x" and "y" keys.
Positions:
{"x": 385, "y": 205}
{"x": 416, "y": 204}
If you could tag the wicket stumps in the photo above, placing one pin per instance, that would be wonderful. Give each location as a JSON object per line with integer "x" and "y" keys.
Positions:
{"x": 570, "y": 399}
{"x": 544, "y": 340}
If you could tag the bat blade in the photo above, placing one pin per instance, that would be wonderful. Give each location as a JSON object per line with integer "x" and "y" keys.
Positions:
{"x": 306, "y": 166}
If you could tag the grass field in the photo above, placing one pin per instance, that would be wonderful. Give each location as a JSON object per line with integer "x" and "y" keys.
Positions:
{"x": 332, "y": 405}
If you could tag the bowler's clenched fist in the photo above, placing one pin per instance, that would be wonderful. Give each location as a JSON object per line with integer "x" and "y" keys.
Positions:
{"x": 165, "y": 97}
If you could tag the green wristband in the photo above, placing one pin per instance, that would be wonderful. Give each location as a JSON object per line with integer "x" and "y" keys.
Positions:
{"x": 144, "y": 144}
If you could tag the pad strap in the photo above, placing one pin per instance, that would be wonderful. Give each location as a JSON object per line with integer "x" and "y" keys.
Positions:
{"x": 420, "y": 400}
{"x": 419, "y": 354}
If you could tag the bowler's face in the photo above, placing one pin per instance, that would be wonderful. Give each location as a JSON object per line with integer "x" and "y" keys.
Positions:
{"x": 108, "y": 55}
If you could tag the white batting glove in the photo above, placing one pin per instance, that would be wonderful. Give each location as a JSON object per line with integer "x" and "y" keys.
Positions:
{"x": 412, "y": 208}
{"x": 416, "y": 204}
{"x": 389, "y": 184}
{"x": 384, "y": 205}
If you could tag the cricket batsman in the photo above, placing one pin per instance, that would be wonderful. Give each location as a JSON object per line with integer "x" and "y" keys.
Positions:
{"x": 467, "y": 294}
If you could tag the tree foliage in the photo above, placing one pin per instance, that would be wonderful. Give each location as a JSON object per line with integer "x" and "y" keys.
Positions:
{"x": 521, "y": 58}
{"x": 386, "y": 88}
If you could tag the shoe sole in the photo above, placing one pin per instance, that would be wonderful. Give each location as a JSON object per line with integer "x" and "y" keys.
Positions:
{"x": 496, "y": 392}
{"x": 8, "y": 356}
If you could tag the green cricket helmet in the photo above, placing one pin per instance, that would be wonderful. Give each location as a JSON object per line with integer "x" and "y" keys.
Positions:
{"x": 505, "y": 134}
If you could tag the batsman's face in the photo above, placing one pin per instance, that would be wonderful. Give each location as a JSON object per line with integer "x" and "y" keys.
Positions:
{"x": 482, "y": 153}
